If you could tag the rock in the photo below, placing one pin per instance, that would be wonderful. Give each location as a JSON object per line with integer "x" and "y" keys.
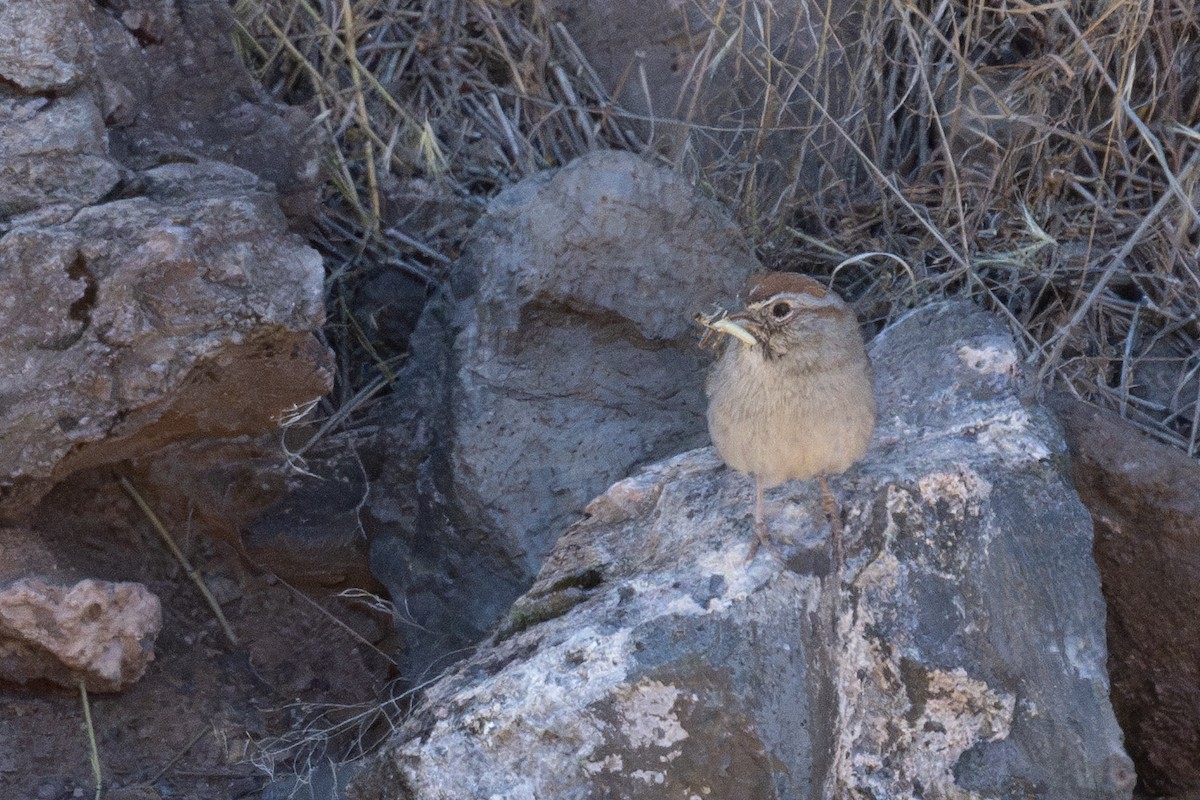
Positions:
{"x": 141, "y": 322}
{"x": 150, "y": 285}
{"x": 65, "y": 631}
{"x": 45, "y": 45}
{"x": 56, "y": 627}
{"x": 326, "y": 781}
{"x": 577, "y": 356}
{"x": 175, "y": 91}
{"x": 960, "y": 653}
{"x": 311, "y": 537}
{"x": 53, "y": 156}
{"x": 1144, "y": 499}
{"x": 88, "y": 94}
{"x": 565, "y": 356}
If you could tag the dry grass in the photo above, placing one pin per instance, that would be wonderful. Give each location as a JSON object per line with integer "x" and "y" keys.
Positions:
{"x": 1043, "y": 159}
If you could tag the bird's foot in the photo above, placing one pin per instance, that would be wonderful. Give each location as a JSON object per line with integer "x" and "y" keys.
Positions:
{"x": 761, "y": 537}
{"x": 829, "y": 505}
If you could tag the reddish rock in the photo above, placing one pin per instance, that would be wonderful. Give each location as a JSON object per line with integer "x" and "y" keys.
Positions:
{"x": 65, "y": 631}
{"x": 1144, "y": 499}
{"x": 55, "y": 627}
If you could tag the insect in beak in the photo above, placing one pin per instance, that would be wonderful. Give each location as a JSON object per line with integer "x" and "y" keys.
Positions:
{"x": 719, "y": 323}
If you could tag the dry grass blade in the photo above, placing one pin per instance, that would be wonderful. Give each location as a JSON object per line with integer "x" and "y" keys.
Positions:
{"x": 93, "y": 750}
{"x": 192, "y": 572}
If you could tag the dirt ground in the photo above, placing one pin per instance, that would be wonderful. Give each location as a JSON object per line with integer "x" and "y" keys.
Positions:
{"x": 205, "y": 719}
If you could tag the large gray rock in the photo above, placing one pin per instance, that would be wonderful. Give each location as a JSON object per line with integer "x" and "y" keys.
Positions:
{"x": 960, "y": 653}
{"x": 564, "y": 358}
{"x": 45, "y": 45}
{"x": 174, "y": 89}
{"x": 576, "y": 357}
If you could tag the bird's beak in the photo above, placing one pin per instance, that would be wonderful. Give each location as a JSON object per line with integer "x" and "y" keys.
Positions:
{"x": 735, "y": 326}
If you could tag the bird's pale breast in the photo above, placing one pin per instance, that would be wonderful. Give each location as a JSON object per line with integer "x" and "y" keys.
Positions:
{"x": 780, "y": 423}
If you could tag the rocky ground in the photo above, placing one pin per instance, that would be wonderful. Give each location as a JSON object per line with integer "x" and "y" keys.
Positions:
{"x": 207, "y": 717}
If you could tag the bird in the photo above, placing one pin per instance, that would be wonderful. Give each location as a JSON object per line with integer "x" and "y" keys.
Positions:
{"x": 791, "y": 395}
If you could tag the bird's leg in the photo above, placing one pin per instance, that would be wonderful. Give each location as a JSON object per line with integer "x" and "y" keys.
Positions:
{"x": 761, "y": 536}
{"x": 829, "y": 505}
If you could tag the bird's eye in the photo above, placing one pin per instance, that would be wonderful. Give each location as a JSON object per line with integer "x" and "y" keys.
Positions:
{"x": 781, "y": 310}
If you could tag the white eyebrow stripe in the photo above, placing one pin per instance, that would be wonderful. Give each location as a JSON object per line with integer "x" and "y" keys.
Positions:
{"x": 802, "y": 300}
